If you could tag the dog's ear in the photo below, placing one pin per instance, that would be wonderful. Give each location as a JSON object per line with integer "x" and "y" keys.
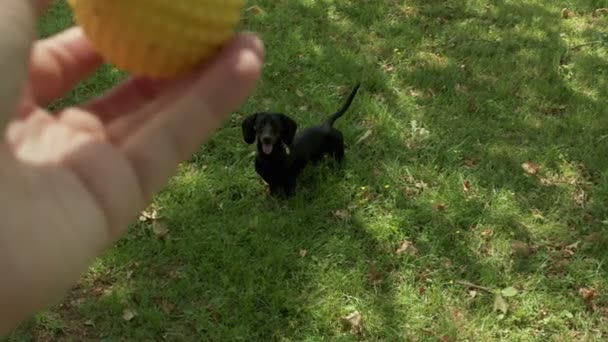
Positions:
{"x": 288, "y": 129}
{"x": 248, "y": 127}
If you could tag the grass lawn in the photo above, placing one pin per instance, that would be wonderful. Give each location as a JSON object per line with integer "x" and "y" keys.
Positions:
{"x": 473, "y": 204}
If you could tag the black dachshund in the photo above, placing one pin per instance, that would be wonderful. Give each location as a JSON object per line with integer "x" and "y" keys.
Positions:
{"x": 274, "y": 130}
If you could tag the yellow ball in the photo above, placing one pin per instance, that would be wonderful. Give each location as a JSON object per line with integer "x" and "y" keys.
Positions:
{"x": 157, "y": 38}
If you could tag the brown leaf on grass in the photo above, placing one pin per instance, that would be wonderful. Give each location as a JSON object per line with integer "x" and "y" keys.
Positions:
{"x": 409, "y": 11}
{"x": 353, "y": 322}
{"x": 600, "y": 11}
{"x": 373, "y": 275}
{"x": 446, "y": 338}
{"x": 470, "y": 163}
{"x": 342, "y": 214}
{"x": 461, "y": 88}
{"x": 160, "y": 229}
{"x": 603, "y": 311}
{"x": 530, "y": 168}
{"x": 421, "y": 290}
{"x": 559, "y": 266}
{"x": 471, "y": 105}
{"x": 364, "y": 137}
{"x": 407, "y": 247}
{"x": 150, "y": 214}
{"x": 570, "y": 250}
{"x": 553, "y": 109}
{"x": 439, "y": 207}
{"x": 593, "y": 237}
{"x": 580, "y": 196}
{"x": 255, "y": 10}
{"x": 567, "y": 13}
{"x": 588, "y": 294}
{"x": 167, "y": 306}
{"x": 520, "y": 249}
{"x": 500, "y": 304}
{"x": 487, "y": 233}
{"x": 342, "y": 89}
{"x": 128, "y": 314}
{"x": 466, "y": 186}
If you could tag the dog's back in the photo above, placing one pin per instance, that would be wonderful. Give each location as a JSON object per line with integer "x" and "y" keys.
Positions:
{"x": 311, "y": 143}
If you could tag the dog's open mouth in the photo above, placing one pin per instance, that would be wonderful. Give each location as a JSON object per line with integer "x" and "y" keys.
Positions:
{"x": 267, "y": 148}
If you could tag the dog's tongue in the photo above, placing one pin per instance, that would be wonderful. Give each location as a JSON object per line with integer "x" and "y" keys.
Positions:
{"x": 267, "y": 148}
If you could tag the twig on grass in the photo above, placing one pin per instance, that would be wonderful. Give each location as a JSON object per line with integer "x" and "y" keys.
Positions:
{"x": 474, "y": 286}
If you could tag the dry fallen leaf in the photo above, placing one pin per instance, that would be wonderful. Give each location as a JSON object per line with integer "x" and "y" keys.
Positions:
{"x": 603, "y": 311}
{"x": 473, "y": 293}
{"x": 600, "y": 11}
{"x": 593, "y": 237}
{"x": 469, "y": 163}
{"x": 299, "y": 93}
{"x": 570, "y": 250}
{"x": 160, "y": 229}
{"x": 373, "y": 275}
{"x": 342, "y": 89}
{"x": 440, "y": 207}
{"x": 353, "y": 322}
{"x": 150, "y": 214}
{"x": 487, "y": 233}
{"x": 421, "y": 290}
{"x": 167, "y": 306}
{"x": 255, "y": 10}
{"x": 530, "y": 168}
{"x": 520, "y": 249}
{"x": 406, "y": 247}
{"x": 128, "y": 314}
{"x": 303, "y": 252}
{"x": 466, "y": 186}
{"x": 446, "y": 338}
{"x": 567, "y": 13}
{"x": 342, "y": 214}
{"x": 587, "y": 293}
{"x": 303, "y": 108}
{"x": 364, "y": 137}
{"x": 500, "y": 304}
{"x": 89, "y": 323}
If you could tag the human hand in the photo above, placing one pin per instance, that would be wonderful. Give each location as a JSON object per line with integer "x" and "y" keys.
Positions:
{"x": 70, "y": 183}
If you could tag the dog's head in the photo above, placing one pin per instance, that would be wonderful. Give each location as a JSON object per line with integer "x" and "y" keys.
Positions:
{"x": 270, "y": 129}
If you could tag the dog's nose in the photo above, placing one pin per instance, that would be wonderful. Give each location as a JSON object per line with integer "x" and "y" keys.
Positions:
{"x": 267, "y": 140}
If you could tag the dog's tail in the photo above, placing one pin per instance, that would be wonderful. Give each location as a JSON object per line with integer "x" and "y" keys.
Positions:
{"x": 335, "y": 116}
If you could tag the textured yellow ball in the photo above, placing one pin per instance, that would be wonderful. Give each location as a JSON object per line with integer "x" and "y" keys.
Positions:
{"x": 157, "y": 38}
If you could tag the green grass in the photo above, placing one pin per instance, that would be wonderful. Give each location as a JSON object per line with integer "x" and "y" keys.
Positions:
{"x": 456, "y": 95}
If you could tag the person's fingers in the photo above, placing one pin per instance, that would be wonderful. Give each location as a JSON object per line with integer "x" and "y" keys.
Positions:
{"x": 176, "y": 128}
{"x": 136, "y": 92}
{"x": 58, "y": 63}
{"x": 129, "y": 96}
{"x": 17, "y": 32}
